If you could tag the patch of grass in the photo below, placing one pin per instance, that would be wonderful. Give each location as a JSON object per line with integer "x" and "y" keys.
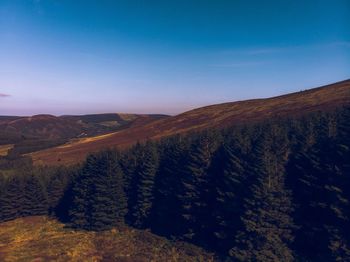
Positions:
{"x": 4, "y": 149}
{"x": 44, "y": 239}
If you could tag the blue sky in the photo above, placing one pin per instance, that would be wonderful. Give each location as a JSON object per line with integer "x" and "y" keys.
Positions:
{"x": 76, "y": 57}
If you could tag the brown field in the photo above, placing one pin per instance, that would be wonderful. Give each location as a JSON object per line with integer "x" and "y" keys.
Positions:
{"x": 4, "y": 149}
{"x": 221, "y": 115}
{"x": 44, "y": 239}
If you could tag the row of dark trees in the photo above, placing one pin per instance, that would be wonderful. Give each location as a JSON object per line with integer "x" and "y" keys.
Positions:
{"x": 34, "y": 191}
{"x": 274, "y": 191}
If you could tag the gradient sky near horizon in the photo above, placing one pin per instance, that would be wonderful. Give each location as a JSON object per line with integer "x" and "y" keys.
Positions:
{"x": 77, "y": 57}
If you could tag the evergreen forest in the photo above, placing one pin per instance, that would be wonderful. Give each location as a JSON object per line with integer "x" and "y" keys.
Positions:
{"x": 277, "y": 190}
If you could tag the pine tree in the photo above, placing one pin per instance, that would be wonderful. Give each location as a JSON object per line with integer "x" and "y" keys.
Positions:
{"x": 343, "y": 141}
{"x": 229, "y": 180}
{"x": 196, "y": 190}
{"x": 2, "y": 184}
{"x": 98, "y": 195}
{"x": 11, "y": 202}
{"x": 63, "y": 209}
{"x": 79, "y": 209}
{"x": 35, "y": 197}
{"x": 166, "y": 219}
{"x": 108, "y": 203}
{"x": 129, "y": 162}
{"x": 145, "y": 177}
{"x": 55, "y": 191}
{"x": 343, "y": 156}
{"x": 267, "y": 223}
{"x": 320, "y": 190}
{"x": 336, "y": 202}
{"x": 116, "y": 177}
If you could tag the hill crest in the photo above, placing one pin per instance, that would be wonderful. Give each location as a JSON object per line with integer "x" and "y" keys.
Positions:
{"x": 322, "y": 98}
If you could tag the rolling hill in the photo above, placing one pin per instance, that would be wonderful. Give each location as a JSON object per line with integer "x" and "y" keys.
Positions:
{"x": 29, "y": 134}
{"x": 53, "y": 127}
{"x": 221, "y": 115}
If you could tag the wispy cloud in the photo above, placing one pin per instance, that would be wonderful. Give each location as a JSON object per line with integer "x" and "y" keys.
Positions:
{"x": 283, "y": 49}
{"x": 256, "y": 51}
{"x": 341, "y": 43}
{"x": 2, "y": 95}
{"x": 262, "y": 51}
{"x": 238, "y": 64}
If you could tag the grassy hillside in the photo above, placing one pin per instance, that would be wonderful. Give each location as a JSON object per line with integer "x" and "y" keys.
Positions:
{"x": 43, "y": 239}
{"x": 322, "y": 98}
{"x": 63, "y": 127}
{"x": 29, "y": 134}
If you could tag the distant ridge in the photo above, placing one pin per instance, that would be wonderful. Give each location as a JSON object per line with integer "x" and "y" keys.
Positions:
{"x": 45, "y": 126}
{"x": 322, "y": 98}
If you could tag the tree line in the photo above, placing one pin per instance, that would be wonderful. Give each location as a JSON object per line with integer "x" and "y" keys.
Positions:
{"x": 272, "y": 191}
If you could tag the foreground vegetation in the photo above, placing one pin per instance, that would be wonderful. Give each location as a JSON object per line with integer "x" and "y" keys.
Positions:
{"x": 44, "y": 239}
{"x": 274, "y": 191}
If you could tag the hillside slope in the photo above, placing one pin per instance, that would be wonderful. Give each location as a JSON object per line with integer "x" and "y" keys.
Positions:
{"x": 34, "y": 133}
{"x": 44, "y": 239}
{"x": 221, "y": 115}
{"x": 53, "y": 127}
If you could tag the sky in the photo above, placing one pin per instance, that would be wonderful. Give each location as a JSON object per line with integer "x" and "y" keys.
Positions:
{"x": 78, "y": 57}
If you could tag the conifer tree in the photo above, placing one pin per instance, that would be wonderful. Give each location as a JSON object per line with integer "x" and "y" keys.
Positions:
{"x": 166, "y": 219}
{"x": 98, "y": 195}
{"x": 55, "y": 191}
{"x": 129, "y": 162}
{"x": 229, "y": 180}
{"x": 343, "y": 156}
{"x": 2, "y": 184}
{"x": 80, "y": 206}
{"x": 145, "y": 177}
{"x": 116, "y": 177}
{"x": 11, "y": 201}
{"x": 343, "y": 140}
{"x": 267, "y": 223}
{"x": 35, "y": 197}
{"x": 196, "y": 190}
{"x": 108, "y": 202}
{"x": 320, "y": 191}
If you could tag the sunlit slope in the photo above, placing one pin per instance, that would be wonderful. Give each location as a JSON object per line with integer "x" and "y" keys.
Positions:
{"x": 322, "y": 98}
{"x": 44, "y": 239}
{"x": 65, "y": 127}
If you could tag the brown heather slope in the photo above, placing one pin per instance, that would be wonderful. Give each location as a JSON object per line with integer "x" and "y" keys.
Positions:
{"x": 221, "y": 115}
{"x": 43, "y": 126}
{"x": 65, "y": 127}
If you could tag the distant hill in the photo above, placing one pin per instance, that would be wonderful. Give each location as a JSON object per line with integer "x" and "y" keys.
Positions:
{"x": 49, "y": 126}
{"x": 221, "y": 115}
{"x": 41, "y": 126}
{"x": 33, "y": 133}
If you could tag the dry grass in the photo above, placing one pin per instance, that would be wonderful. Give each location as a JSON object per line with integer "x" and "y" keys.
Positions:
{"x": 44, "y": 239}
{"x": 127, "y": 117}
{"x": 74, "y": 142}
{"x": 4, "y": 149}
